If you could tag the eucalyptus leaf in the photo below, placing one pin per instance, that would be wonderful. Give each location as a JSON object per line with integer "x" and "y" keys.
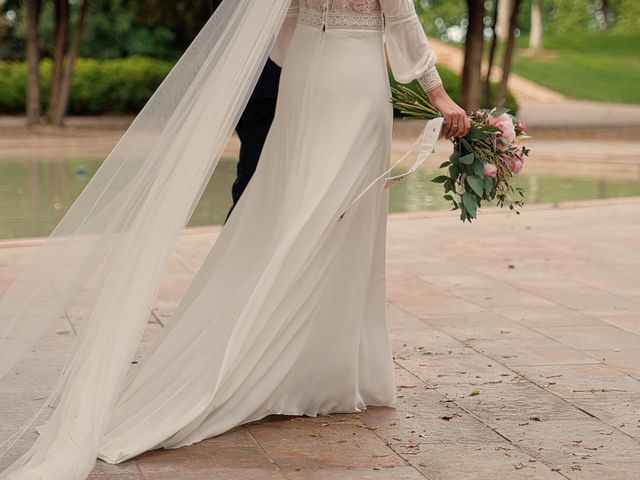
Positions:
{"x": 488, "y": 183}
{"x": 444, "y": 164}
{"x": 470, "y": 204}
{"x": 476, "y": 183}
{"x": 499, "y": 111}
{"x": 440, "y": 179}
{"x": 468, "y": 158}
{"x": 478, "y": 168}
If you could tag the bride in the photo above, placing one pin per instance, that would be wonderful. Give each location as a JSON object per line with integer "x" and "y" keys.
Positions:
{"x": 287, "y": 314}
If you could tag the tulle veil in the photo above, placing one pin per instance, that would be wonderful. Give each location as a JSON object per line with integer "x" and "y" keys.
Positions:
{"x": 99, "y": 271}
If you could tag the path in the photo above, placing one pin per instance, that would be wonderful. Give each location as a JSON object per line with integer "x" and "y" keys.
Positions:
{"x": 544, "y": 108}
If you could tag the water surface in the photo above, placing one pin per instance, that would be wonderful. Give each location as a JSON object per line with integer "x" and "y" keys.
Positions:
{"x": 34, "y": 195}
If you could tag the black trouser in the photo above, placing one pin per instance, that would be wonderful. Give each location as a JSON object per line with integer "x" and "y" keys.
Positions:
{"x": 252, "y": 129}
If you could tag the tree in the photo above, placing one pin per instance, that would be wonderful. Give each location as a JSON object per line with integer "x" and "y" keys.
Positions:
{"x": 33, "y": 60}
{"x": 64, "y": 59}
{"x": 508, "y": 54}
{"x": 504, "y": 9}
{"x": 492, "y": 54}
{"x": 60, "y": 45}
{"x": 537, "y": 30}
{"x": 473, "y": 47}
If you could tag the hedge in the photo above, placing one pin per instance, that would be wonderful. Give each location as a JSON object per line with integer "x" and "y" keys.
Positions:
{"x": 99, "y": 86}
{"x": 120, "y": 85}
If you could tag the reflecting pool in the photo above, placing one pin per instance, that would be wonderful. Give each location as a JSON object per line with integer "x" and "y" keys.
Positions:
{"x": 34, "y": 195}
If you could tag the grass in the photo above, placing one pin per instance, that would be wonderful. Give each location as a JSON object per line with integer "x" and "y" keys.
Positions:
{"x": 597, "y": 66}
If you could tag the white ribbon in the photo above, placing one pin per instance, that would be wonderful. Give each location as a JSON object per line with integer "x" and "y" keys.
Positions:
{"x": 424, "y": 144}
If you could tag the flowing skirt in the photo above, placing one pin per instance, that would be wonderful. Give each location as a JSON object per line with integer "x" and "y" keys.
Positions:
{"x": 291, "y": 316}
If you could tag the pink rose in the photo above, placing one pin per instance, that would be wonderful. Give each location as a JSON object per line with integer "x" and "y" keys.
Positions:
{"x": 522, "y": 126}
{"x": 505, "y": 124}
{"x": 516, "y": 162}
{"x": 490, "y": 169}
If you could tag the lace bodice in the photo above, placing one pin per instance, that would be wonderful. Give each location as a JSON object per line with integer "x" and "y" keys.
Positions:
{"x": 353, "y": 6}
{"x": 409, "y": 52}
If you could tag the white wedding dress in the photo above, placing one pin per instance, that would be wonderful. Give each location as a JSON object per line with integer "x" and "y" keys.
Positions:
{"x": 287, "y": 314}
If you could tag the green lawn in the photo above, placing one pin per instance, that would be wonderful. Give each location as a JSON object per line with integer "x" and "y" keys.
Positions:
{"x": 596, "y": 66}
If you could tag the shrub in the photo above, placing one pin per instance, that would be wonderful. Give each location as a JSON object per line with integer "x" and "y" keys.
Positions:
{"x": 121, "y": 85}
{"x": 99, "y": 86}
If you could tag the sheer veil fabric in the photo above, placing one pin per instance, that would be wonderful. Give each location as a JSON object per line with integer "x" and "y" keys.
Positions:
{"x": 287, "y": 314}
{"x": 101, "y": 266}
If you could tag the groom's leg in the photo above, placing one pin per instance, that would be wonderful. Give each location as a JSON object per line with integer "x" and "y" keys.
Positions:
{"x": 252, "y": 130}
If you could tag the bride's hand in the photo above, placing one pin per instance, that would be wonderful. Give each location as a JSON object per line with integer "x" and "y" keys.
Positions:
{"x": 457, "y": 123}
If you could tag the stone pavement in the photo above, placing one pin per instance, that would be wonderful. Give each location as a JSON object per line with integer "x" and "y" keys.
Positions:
{"x": 516, "y": 343}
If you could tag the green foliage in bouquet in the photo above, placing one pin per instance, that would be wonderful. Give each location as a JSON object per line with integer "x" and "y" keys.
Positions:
{"x": 483, "y": 163}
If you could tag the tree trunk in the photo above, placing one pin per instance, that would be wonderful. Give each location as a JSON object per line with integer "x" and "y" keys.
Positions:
{"x": 508, "y": 54}
{"x": 473, "y": 46}
{"x": 537, "y": 29}
{"x": 67, "y": 76}
{"x": 492, "y": 54}
{"x": 61, "y": 35}
{"x": 606, "y": 12}
{"x": 504, "y": 13}
{"x": 33, "y": 60}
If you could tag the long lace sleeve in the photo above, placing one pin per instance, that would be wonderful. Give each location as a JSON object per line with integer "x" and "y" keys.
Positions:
{"x": 279, "y": 51}
{"x": 409, "y": 52}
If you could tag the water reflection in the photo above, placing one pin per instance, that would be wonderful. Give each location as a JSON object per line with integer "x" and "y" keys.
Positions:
{"x": 34, "y": 195}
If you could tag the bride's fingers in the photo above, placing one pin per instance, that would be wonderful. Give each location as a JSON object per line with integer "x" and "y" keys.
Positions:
{"x": 448, "y": 125}
{"x": 458, "y": 123}
{"x": 462, "y": 129}
{"x": 467, "y": 125}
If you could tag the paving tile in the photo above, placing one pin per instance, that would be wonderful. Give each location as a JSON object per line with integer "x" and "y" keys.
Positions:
{"x": 200, "y": 460}
{"x": 555, "y": 316}
{"x": 625, "y": 321}
{"x": 624, "y": 360}
{"x": 590, "y": 338}
{"x": 216, "y": 473}
{"x": 469, "y": 368}
{"x": 109, "y": 476}
{"x": 517, "y": 402}
{"x": 482, "y": 327}
{"x": 564, "y": 442}
{"x": 480, "y": 462}
{"x": 375, "y": 473}
{"x": 579, "y": 470}
{"x": 411, "y": 335}
{"x": 607, "y": 394}
{"x": 539, "y": 351}
{"x": 309, "y": 444}
{"x": 126, "y": 469}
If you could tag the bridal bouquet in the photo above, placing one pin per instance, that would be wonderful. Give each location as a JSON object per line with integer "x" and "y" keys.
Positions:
{"x": 483, "y": 163}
